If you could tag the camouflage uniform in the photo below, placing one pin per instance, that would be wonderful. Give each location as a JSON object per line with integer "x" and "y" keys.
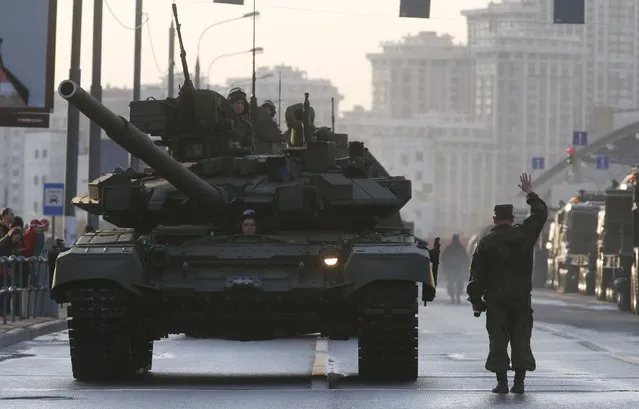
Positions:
{"x": 501, "y": 280}
{"x": 242, "y": 132}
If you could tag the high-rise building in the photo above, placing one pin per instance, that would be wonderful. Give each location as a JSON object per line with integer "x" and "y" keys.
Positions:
{"x": 538, "y": 81}
{"x": 294, "y": 83}
{"x": 422, "y": 73}
{"x": 447, "y": 157}
{"x": 529, "y": 83}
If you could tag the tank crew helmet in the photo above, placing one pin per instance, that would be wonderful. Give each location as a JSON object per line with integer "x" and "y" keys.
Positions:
{"x": 248, "y": 222}
{"x": 268, "y": 104}
{"x": 237, "y": 94}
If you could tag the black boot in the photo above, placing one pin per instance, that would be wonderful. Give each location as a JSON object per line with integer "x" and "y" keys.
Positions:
{"x": 518, "y": 384}
{"x": 502, "y": 383}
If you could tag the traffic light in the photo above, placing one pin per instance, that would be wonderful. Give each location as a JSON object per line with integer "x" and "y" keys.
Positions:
{"x": 414, "y": 8}
{"x": 570, "y": 153}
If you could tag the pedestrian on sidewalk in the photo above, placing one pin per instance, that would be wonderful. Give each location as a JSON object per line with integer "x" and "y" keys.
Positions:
{"x": 501, "y": 284}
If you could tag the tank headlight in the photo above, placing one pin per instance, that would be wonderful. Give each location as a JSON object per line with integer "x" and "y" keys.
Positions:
{"x": 330, "y": 261}
{"x": 548, "y": 245}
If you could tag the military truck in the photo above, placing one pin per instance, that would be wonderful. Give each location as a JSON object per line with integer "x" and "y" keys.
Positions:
{"x": 633, "y": 284}
{"x": 572, "y": 244}
{"x": 615, "y": 245}
{"x": 330, "y": 255}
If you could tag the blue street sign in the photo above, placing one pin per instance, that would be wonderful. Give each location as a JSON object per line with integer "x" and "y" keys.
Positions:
{"x": 53, "y": 199}
{"x": 538, "y": 162}
{"x": 580, "y": 138}
{"x": 602, "y": 162}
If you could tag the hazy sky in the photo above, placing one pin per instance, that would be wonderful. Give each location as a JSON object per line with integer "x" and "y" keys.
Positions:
{"x": 327, "y": 38}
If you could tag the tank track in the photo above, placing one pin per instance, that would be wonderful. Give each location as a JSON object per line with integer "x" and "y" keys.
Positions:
{"x": 388, "y": 332}
{"x": 105, "y": 341}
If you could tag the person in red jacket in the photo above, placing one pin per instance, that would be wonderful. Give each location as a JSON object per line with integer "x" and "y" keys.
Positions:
{"x": 31, "y": 237}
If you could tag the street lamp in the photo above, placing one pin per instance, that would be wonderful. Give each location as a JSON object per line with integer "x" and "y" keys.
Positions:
{"x": 252, "y": 14}
{"x": 258, "y": 78}
{"x": 254, "y": 51}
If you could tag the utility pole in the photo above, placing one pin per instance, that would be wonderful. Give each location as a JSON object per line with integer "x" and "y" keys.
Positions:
{"x": 171, "y": 80}
{"x": 279, "y": 99}
{"x": 137, "y": 67}
{"x": 73, "y": 129}
{"x": 253, "y": 79}
{"x": 95, "y": 132}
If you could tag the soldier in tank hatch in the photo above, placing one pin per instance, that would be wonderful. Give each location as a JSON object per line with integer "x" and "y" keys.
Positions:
{"x": 248, "y": 222}
{"x": 242, "y": 133}
{"x": 501, "y": 282}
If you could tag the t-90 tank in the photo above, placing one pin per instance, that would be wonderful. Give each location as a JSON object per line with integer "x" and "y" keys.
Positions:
{"x": 330, "y": 254}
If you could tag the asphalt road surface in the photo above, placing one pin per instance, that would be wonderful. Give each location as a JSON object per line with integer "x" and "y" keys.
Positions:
{"x": 587, "y": 356}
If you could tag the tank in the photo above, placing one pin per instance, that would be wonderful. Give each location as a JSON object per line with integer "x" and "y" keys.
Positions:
{"x": 331, "y": 254}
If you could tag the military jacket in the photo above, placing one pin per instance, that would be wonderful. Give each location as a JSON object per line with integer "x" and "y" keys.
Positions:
{"x": 501, "y": 267}
{"x": 242, "y": 133}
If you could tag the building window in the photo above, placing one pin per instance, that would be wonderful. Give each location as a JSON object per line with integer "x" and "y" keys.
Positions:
{"x": 16, "y": 173}
{"x": 36, "y": 153}
{"x": 44, "y": 153}
{"x": 14, "y": 200}
{"x": 36, "y": 207}
{"x": 35, "y": 180}
{"x": 404, "y": 159}
{"x": 44, "y": 179}
{"x": 419, "y": 156}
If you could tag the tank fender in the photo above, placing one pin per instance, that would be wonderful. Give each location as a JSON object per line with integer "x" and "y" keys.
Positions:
{"x": 370, "y": 263}
{"x": 120, "y": 265}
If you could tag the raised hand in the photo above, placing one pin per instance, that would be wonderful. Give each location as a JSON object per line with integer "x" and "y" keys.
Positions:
{"x": 525, "y": 183}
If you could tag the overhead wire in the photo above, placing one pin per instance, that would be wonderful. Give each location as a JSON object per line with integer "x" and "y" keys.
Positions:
{"x": 115, "y": 17}
{"x": 145, "y": 21}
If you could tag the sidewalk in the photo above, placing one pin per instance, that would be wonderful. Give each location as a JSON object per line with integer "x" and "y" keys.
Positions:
{"x": 28, "y": 329}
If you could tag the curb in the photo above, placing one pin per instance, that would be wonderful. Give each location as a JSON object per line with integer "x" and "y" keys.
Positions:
{"x": 17, "y": 335}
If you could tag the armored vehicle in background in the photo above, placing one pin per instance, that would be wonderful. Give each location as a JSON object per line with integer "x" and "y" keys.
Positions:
{"x": 572, "y": 244}
{"x": 331, "y": 254}
{"x": 633, "y": 284}
{"x": 615, "y": 245}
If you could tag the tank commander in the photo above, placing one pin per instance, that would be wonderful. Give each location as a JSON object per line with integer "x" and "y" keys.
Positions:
{"x": 242, "y": 134}
{"x": 248, "y": 222}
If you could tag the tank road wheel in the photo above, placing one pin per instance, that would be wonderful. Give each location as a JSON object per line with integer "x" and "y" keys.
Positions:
{"x": 387, "y": 332}
{"x": 106, "y": 342}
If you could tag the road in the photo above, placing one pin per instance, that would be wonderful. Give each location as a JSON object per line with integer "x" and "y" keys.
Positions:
{"x": 587, "y": 355}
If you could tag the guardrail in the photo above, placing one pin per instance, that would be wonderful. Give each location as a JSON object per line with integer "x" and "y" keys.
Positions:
{"x": 24, "y": 286}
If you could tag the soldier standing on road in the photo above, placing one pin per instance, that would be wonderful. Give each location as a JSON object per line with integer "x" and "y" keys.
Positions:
{"x": 501, "y": 282}
{"x": 242, "y": 132}
{"x": 454, "y": 261}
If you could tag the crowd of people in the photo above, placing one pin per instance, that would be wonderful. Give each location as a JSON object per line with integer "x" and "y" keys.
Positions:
{"x": 19, "y": 239}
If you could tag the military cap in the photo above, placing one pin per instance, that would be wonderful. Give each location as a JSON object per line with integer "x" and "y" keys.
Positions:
{"x": 503, "y": 212}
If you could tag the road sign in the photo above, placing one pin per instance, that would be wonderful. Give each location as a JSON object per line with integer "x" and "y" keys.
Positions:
{"x": 602, "y": 162}
{"x": 580, "y": 138}
{"x": 53, "y": 201}
{"x": 538, "y": 162}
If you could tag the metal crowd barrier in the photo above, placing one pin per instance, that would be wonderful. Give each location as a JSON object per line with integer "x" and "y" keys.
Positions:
{"x": 24, "y": 286}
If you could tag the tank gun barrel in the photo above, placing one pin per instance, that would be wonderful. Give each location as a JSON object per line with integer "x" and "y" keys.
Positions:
{"x": 139, "y": 144}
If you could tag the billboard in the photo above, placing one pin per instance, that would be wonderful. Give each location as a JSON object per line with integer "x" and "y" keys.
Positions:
{"x": 27, "y": 62}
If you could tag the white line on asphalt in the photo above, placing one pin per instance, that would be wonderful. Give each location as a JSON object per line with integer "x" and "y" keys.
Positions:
{"x": 319, "y": 374}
